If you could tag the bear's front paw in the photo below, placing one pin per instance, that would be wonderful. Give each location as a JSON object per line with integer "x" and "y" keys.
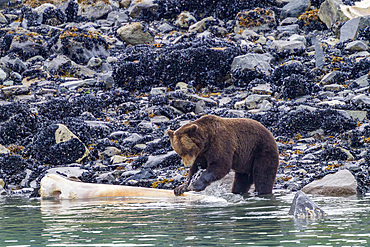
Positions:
{"x": 197, "y": 186}
{"x": 181, "y": 189}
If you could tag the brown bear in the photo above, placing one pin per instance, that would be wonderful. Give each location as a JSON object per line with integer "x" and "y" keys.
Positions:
{"x": 219, "y": 144}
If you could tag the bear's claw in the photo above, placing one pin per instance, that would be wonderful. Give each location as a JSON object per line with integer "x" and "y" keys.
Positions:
{"x": 180, "y": 190}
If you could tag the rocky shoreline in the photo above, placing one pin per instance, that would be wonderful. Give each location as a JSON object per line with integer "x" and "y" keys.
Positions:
{"x": 88, "y": 89}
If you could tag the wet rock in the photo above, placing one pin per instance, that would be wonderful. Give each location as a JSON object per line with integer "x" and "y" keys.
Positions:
{"x": 164, "y": 160}
{"x": 253, "y": 61}
{"x": 134, "y": 34}
{"x": 341, "y": 183}
{"x": 57, "y": 145}
{"x": 330, "y": 12}
{"x": 303, "y": 208}
{"x": 295, "y": 8}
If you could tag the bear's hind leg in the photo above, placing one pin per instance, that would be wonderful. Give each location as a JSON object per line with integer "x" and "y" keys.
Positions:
{"x": 242, "y": 183}
{"x": 264, "y": 172}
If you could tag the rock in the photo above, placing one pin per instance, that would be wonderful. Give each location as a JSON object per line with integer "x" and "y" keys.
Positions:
{"x": 351, "y": 29}
{"x": 201, "y": 25}
{"x": 137, "y": 6}
{"x": 288, "y": 46}
{"x": 2, "y": 75}
{"x": 94, "y": 62}
{"x": 95, "y": 11}
{"x": 303, "y": 208}
{"x": 295, "y": 8}
{"x": 258, "y": 19}
{"x": 331, "y": 78}
{"x": 4, "y": 150}
{"x": 57, "y": 145}
{"x": 330, "y": 12}
{"x": 80, "y": 45}
{"x": 163, "y": 160}
{"x": 185, "y": 20}
{"x": 289, "y": 21}
{"x": 361, "y": 100}
{"x": 356, "y": 45}
{"x": 14, "y": 90}
{"x": 319, "y": 53}
{"x": 253, "y": 61}
{"x": 68, "y": 171}
{"x": 117, "y": 17}
{"x": 134, "y": 34}
{"x": 3, "y": 20}
{"x": 341, "y": 183}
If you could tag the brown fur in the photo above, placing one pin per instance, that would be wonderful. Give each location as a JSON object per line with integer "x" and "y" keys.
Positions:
{"x": 220, "y": 144}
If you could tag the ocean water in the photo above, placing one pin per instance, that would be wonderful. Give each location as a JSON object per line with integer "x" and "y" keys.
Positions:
{"x": 222, "y": 219}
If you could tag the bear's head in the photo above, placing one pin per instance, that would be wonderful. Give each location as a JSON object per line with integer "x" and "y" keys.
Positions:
{"x": 185, "y": 142}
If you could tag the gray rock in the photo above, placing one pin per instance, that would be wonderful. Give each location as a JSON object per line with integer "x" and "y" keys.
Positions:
{"x": 201, "y": 25}
{"x": 137, "y": 6}
{"x": 15, "y": 90}
{"x": 288, "y": 46}
{"x": 159, "y": 119}
{"x": 133, "y": 138}
{"x": 94, "y": 62}
{"x": 361, "y": 100}
{"x": 95, "y": 11}
{"x": 117, "y": 17}
{"x": 154, "y": 161}
{"x": 295, "y": 8}
{"x": 69, "y": 171}
{"x": 293, "y": 28}
{"x": 330, "y": 12}
{"x": 341, "y": 183}
{"x": 3, "y": 20}
{"x": 253, "y": 61}
{"x": 289, "y": 21}
{"x": 350, "y": 29}
{"x": 2, "y": 75}
{"x": 319, "y": 53}
{"x": 78, "y": 83}
{"x": 4, "y": 150}
{"x": 134, "y": 34}
{"x": 356, "y": 45}
{"x": 303, "y": 208}
{"x": 363, "y": 81}
{"x": 330, "y": 78}
{"x": 165, "y": 28}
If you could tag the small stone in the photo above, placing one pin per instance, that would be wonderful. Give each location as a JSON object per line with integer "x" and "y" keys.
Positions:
{"x": 356, "y": 45}
{"x": 201, "y": 25}
{"x": 303, "y": 208}
{"x": 111, "y": 151}
{"x": 341, "y": 183}
{"x": 288, "y": 28}
{"x": 289, "y": 21}
{"x": 330, "y": 78}
{"x": 124, "y": 3}
{"x": 361, "y": 100}
{"x": 95, "y": 11}
{"x": 15, "y": 90}
{"x": 137, "y": 6}
{"x": 288, "y": 46}
{"x": 94, "y": 62}
{"x": 134, "y": 34}
{"x": 165, "y": 28}
{"x": 116, "y": 159}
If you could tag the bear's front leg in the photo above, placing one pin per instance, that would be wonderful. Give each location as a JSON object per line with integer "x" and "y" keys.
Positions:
{"x": 213, "y": 173}
{"x": 185, "y": 187}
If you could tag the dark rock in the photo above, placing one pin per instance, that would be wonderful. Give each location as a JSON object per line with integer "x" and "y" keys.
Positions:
{"x": 56, "y": 145}
{"x": 295, "y": 8}
{"x": 204, "y": 62}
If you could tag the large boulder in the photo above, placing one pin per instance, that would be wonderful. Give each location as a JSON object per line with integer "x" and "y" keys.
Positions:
{"x": 341, "y": 183}
{"x": 134, "y": 34}
{"x": 330, "y": 12}
{"x": 303, "y": 208}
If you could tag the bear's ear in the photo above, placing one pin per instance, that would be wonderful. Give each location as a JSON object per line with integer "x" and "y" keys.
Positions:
{"x": 170, "y": 133}
{"x": 192, "y": 128}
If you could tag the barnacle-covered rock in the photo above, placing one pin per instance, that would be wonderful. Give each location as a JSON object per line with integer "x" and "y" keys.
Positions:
{"x": 258, "y": 19}
{"x": 57, "y": 145}
{"x": 24, "y": 43}
{"x": 80, "y": 45}
{"x": 303, "y": 208}
{"x": 202, "y": 62}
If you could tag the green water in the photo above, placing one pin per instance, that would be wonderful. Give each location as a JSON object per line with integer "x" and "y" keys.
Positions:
{"x": 233, "y": 220}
